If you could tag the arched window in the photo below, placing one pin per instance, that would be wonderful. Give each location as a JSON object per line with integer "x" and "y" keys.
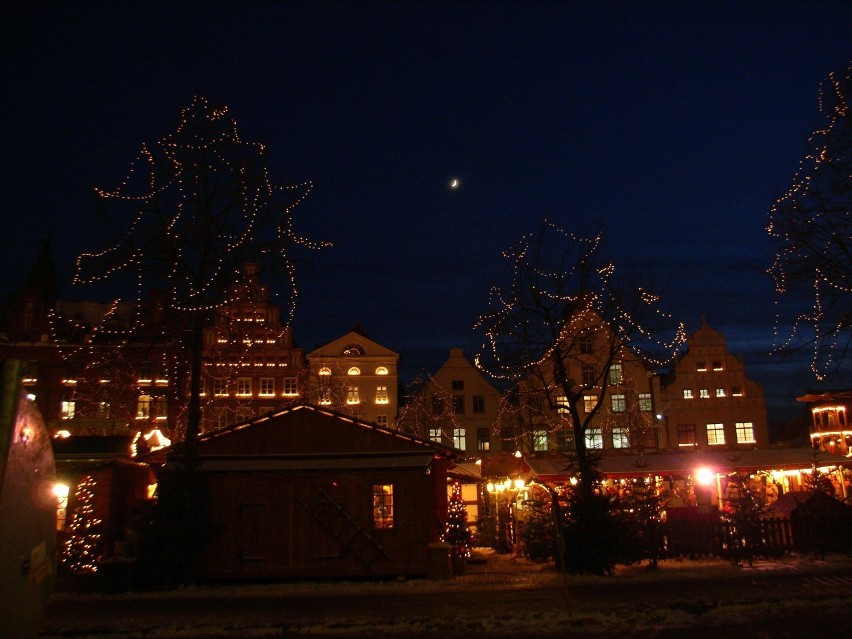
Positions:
{"x": 353, "y": 350}
{"x": 381, "y": 370}
{"x": 354, "y": 371}
{"x": 325, "y": 370}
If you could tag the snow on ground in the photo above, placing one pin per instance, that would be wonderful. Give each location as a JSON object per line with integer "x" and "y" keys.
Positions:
{"x": 697, "y": 609}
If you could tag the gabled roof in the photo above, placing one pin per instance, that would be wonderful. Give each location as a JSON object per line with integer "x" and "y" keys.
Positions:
{"x": 335, "y": 347}
{"x": 311, "y": 442}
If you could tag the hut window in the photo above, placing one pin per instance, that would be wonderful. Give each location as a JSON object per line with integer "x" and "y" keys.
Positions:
{"x": 383, "y": 505}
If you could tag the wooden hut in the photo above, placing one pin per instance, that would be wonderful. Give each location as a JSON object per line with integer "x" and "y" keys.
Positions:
{"x": 308, "y": 493}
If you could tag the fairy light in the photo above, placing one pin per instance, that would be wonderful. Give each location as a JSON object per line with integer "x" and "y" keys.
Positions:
{"x": 810, "y": 225}
{"x": 166, "y": 231}
{"x": 561, "y": 292}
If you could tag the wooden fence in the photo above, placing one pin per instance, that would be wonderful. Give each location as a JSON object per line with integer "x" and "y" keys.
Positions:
{"x": 768, "y": 537}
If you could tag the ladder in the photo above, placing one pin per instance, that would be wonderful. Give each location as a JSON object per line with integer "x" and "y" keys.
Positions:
{"x": 354, "y": 541}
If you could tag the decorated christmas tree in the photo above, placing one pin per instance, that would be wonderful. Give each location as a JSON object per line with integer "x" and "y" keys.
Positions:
{"x": 81, "y": 549}
{"x": 456, "y": 532}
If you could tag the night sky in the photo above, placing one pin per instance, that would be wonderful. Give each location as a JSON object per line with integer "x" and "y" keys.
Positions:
{"x": 671, "y": 126}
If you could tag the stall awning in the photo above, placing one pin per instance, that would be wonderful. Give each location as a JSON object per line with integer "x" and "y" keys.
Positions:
{"x": 684, "y": 464}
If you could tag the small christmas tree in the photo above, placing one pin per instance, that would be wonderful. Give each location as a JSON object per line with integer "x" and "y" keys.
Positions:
{"x": 82, "y": 548}
{"x": 456, "y": 532}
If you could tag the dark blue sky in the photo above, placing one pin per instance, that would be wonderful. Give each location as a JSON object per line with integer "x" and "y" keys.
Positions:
{"x": 671, "y": 125}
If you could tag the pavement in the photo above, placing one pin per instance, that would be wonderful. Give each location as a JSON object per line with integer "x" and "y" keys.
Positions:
{"x": 498, "y": 596}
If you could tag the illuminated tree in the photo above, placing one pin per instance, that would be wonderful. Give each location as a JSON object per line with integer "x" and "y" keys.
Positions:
{"x": 429, "y": 412}
{"x": 811, "y": 227}
{"x": 556, "y": 331}
{"x": 81, "y": 550}
{"x": 196, "y": 206}
{"x": 456, "y": 532}
{"x": 565, "y": 307}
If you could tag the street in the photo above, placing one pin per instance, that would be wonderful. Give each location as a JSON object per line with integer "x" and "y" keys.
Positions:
{"x": 502, "y": 597}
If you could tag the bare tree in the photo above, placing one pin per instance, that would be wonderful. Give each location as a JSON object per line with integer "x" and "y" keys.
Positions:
{"x": 562, "y": 324}
{"x": 811, "y": 227}
{"x": 195, "y": 207}
{"x": 429, "y": 412}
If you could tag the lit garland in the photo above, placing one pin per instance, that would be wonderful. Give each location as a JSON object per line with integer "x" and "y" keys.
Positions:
{"x": 811, "y": 225}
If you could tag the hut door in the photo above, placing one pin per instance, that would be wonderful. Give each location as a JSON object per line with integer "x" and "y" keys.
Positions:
{"x": 254, "y": 542}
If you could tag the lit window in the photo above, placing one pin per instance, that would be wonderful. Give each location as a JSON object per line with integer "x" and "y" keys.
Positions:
{"x": 720, "y": 392}
{"x": 435, "y": 435}
{"x": 291, "y": 387}
{"x": 325, "y": 370}
{"x": 620, "y": 438}
{"x": 381, "y": 394}
{"x": 618, "y": 403}
{"x": 352, "y": 396}
{"x": 615, "y": 373}
{"x": 745, "y": 433}
{"x": 540, "y": 440}
{"x": 459, "y": 438}
{"x": 687, "y": 393}
{"x": 383, "y": 505}
{"x": 60, "y": 491}
{"x": 143, "y": 407}
{"x": 715, "y": 434}
{"x": 701, "y": 367}
{"x": 686, "y": 435}
{"x": 645, "y": 402}
{"x": 483, "y": 438}
{"x": 589, "y": 402}
{"x": 736, "y": 391}
{"x": 354, "y": 371}
{"x": 325, "y": 397}
{"x": 267, "y": 386}
{"x": 244, "y": 387}
{"x": 68, "y": 407}
{"x": 381, "y": 370}
{"x": 704, "y": 393}
{"x": 717, "y": 366}
{"x": 594, "y": 438}
{"x": 561, "y": 404}
{"x": 202, "y": 387}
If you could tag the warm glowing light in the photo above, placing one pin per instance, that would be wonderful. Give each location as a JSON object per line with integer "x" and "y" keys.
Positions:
{"x": 705, "y": 476}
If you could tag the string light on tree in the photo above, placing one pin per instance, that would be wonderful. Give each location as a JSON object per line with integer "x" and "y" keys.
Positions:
{"x": 811, "y": 228}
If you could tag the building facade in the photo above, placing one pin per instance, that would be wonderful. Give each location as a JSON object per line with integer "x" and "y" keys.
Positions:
{"x": 830, "y": 430}
{"x": 707, "y": 402}
{"x": 357, "y": 376}
{"x": 251, "y": 362}
{"x": 474, "y": 403}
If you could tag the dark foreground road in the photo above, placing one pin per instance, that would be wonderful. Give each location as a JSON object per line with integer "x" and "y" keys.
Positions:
{"x": 502, "y": 597}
